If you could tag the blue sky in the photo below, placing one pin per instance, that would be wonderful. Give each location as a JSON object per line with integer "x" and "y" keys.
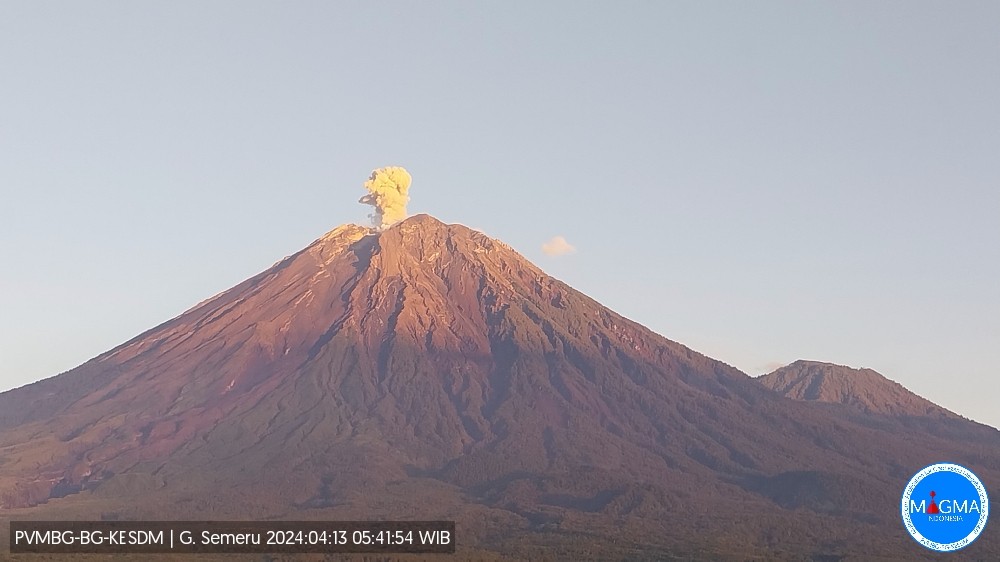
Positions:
{"x": 760, "y": 181}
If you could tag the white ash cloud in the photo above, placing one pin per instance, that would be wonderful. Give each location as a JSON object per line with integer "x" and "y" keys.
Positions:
{"x": 557, "y": 246}
{"x": 387, "y": 192}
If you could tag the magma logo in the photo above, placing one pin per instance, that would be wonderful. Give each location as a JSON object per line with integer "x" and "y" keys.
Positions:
{"x": 945, "y": 507}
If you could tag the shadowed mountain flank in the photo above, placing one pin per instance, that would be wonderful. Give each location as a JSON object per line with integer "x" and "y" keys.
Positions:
{"x": 428, "y": 371}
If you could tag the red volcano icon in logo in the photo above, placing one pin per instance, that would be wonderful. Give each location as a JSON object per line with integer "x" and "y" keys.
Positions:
{"x": 932, "y": 508}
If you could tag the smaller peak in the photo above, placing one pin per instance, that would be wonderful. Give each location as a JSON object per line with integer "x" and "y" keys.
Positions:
{"x": 811, "y": 363}
{"x": 824, "y": 367}
{"x": 864, "y": 389}
{"x": 832, "y": 369}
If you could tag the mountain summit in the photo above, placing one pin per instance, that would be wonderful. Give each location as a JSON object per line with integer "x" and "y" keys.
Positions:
{"x": 427, "y": 371}
{"x": 864, "y": 389}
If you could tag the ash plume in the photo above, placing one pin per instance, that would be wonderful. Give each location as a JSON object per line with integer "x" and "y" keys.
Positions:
{"x": 387, "y": 192}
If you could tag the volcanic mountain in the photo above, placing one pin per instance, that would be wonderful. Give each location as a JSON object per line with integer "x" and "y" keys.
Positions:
{"x": 864, "y": 389}
{"x": 428, "y": 371}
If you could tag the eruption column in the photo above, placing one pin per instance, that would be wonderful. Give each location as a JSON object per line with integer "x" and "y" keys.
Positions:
{"x": 387, "y": 192}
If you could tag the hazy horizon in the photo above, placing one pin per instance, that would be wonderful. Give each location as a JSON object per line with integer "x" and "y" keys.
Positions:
{"x": 762, "y": 183}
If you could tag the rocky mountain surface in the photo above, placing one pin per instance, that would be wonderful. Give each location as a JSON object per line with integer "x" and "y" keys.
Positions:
{"x": 864, "y": 389}
{"x": 430, "y": 372}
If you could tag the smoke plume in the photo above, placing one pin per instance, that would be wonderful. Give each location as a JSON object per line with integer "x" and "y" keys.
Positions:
{"x": 387, "y": 192}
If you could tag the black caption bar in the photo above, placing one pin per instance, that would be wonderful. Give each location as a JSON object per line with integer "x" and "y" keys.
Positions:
{"x": 231, "y": 537}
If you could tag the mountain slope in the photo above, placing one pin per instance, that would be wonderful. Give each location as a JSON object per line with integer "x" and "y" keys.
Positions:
{"x": 428, "y": 371}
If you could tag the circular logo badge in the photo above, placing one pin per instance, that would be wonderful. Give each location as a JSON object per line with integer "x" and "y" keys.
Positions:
{"x": 945, "y": 507}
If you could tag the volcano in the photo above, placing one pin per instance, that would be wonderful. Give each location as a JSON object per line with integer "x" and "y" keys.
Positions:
{"x": 428, "y": 371}
{"x": 864, "y": 389}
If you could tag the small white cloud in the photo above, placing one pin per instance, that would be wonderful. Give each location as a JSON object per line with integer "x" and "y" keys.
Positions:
{"x": 771, "y": 367}
{"x": 557, "y": 246}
